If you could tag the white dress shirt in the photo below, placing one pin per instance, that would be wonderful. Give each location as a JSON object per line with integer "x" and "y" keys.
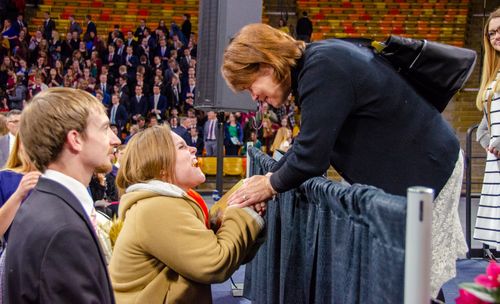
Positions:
{"x": 75, "y": 187}
{"x": 12, "y": 141}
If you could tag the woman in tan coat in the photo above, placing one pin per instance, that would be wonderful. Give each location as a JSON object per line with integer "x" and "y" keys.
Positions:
{"x": 166, "y": 252}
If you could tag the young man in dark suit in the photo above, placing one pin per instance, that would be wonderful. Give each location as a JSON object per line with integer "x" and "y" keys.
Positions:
{"x": 54, "y": 254}
{"x": 48, "y": 26}
{"x": 157, "y": 103}
{"x": 91, "y": 27}
{"x": 195, "y": 140}
{"x": 117, "y": 113}
{"x": 138, "y": 104}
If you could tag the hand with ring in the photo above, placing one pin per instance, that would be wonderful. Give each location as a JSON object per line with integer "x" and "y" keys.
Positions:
{"x": 255, "y": 191}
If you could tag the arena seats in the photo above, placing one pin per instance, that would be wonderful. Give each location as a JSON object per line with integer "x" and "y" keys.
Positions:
{"x": 125, "y": 13}
{"x": 234, "y": 166}
{"x": 443, "y": 21}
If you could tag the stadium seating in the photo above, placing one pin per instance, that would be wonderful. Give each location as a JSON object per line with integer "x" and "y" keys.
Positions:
{"x": 443, "y": 21}
{"x": 125, "y": 13}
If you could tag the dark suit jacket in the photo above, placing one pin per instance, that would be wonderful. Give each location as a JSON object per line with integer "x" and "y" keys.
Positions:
{"x": 75, "y": 26}
{"x": 172, "y": 98}
{"x": 138, "y": 107}
{"x": 132, "y": 43}
{"x": 134, "y": 61}
{"x": 4, "y": 149}
{"x": 347, "y": 130}
{"x": 198, "y": 144}
{"x": 48, "y": 27}
{"x": 121, "y": 116}
{"x": 91, "y": 27}
{"x": 54, "y": 255}
{"x": 162, "y": 104}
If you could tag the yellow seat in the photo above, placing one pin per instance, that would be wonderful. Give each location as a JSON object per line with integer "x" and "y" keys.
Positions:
{"x": 233, "y": 166}
{"x": 208, "y": 165}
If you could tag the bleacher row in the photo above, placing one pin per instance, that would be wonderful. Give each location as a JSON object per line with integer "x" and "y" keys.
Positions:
{"x": 443, "y": 21}
{"x": 235, "y": 166}
{"x": 125, "y": 13}
{"x": 108, "y": 13}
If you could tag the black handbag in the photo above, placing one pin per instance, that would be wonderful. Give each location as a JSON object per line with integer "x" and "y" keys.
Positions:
{"x": 437, "y": 71}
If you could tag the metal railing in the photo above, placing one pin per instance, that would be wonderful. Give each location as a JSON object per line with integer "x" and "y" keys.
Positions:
{"x": 469, "y": 157}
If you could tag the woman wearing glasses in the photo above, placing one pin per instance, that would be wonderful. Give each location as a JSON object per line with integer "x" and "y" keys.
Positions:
{"x": 488, "y": 134}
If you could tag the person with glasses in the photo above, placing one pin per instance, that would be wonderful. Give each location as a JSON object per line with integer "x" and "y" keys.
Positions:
{"x": 7, "y": 141}
{"x": 487, "y": 228}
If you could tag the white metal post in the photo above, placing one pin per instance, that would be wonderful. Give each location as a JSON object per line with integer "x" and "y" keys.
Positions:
{"x": 418, "y": 245}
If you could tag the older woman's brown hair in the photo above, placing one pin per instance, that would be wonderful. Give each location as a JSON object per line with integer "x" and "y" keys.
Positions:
{"x": 491, "y": 62}
{"x": 257, "y": 45}
{"x": 149, "y": 155}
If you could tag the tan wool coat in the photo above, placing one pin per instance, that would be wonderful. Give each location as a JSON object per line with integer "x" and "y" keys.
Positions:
{"x": 166, "y": 254}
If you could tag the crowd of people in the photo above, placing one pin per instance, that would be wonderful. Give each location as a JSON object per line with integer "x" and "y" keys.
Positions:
{"x": 144, "y": 77}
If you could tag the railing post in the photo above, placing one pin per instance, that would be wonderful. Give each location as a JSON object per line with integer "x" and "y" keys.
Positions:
{"x": 418, "y": 245}
{"x": 468, "y": 188}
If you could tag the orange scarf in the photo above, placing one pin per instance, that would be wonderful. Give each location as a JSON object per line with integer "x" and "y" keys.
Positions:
{"x": 199, "y": 200}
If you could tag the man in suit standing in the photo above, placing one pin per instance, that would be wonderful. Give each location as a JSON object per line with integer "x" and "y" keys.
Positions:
{"x": 74, "y": 26}
{"x": 304, "y": 28}
{"x": 7, "y": 141}
{"x": 19, "y": 24}
{"x": 195, "y": 141}
{"x": 48, "y": 26}
{"x": 131, "y": 61}
{"x": 91, "y": 27}
{"x": 112, "y": 60}
{"x": 116, "y": 33}
{"x": 210, "y": 134}
{"x": 117, "y": 113}
{"x": 130, "y": 41}
{"x": 157, "y": 103}
{"x": 138, "y": 104}
{"x": 54, "y": 255}
{"x": 183, "y": 129}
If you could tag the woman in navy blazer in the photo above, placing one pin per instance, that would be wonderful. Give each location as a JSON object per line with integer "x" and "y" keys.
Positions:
{"x": 358, "y": 115}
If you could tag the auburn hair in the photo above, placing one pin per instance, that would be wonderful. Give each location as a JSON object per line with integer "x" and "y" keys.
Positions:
{"x": 257, "y": 45}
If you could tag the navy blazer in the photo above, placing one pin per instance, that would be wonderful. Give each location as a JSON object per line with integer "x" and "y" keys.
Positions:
{"x": 162, "y": 104}
{"x": 54, "y": 255}
{"x": 91, "y": 27}
{"x": 360, "y": 116}
{"x": 138, "y": 107}
{"x": 121, "y": 116}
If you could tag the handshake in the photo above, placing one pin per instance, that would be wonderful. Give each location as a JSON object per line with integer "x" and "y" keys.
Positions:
{"x": 251, "y": 192}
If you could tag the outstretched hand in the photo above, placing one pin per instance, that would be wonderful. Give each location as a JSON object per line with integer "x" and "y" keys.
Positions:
{"x": 255, "y": 191}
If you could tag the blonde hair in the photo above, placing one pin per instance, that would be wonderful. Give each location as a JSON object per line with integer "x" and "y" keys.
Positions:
{"x": 18, "y": 160}
{"x": 139, "y": 167}
{"x": 491, "y": 63}
{"x": 49, "y": 117}
{"x": 282, "y": 134}
{"x": 256, "y": 45}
